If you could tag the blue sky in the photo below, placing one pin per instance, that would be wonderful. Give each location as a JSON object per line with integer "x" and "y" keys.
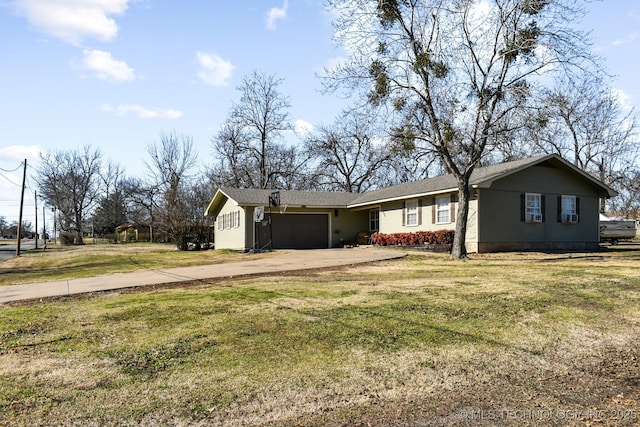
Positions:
{"x": 116, "y": 73}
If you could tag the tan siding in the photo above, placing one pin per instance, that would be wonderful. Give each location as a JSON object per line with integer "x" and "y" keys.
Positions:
{"x": 347, "y": 225}
{"x": 391, "y": 218}
{"x": 234, "y": 237}
{"x": 472, "y": 225}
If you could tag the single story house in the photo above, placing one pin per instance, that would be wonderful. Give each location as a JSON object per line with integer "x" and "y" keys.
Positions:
{"x": 538, "y": 203}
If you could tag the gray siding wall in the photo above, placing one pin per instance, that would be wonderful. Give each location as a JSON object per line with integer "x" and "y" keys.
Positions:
{"x": 249, "y": 227}
{"x": 500, "y": 225}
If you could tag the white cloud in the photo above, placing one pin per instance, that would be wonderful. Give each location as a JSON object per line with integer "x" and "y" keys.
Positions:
{"x": 302, "y": 127}
{"x": 276, "y": 14}
{"x": 623, "y": 98}
{"x": 214, "y": 70}
{"x": 142, "y": 112}
{"x": 17, "y": 153}
{"x": 631, "y": 37}
{"x": 73, "y": 20}
{"x": 12, "y": 169}
{"x": 106, "y": 67}
{"x": 334, "y": 63}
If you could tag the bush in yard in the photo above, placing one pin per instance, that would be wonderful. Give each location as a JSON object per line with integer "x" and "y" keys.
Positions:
{"x": 420, "y": 238}
{"x": 444, "y": 237}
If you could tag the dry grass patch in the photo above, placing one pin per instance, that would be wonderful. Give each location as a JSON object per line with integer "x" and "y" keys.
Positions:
{"x": 418, "y": 341}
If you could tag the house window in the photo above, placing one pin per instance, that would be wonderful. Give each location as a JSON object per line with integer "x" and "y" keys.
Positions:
{"x": 443, "y": 210}
{"x": 220, "y": 222}
{"x": 533, "y": 205}
{"x": 411, "y": 213}
{"x": 236, "y": 219}
{"x": 569, "y": 209}
{"x": 374, "y": 220}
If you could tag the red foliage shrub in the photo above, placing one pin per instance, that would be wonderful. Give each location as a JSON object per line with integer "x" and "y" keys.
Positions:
{"x": 419, "y": 238}
{"x": 444, "y": 237}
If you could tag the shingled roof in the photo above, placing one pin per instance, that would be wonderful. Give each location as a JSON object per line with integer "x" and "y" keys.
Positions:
{"x": 480, "y": 178}
{"x": 439, "y": 184}
{"x": 293, "y": 198}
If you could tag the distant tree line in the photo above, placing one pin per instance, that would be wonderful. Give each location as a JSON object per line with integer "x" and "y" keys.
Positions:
{"x": 374, "y": 144}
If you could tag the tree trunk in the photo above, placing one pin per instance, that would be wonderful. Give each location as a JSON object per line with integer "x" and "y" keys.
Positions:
{"x": 603, "y": 178}
{"x": 79, "y": 240}
{"x": 459, "y": 249}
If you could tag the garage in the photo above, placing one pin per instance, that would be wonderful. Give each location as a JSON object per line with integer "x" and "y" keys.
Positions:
{"x": 296, "y": 231}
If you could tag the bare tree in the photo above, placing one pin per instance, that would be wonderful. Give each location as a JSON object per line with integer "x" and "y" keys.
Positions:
{"x": 69, "y": 182}
{"x": 348, "y": 156}
{"x": 627, "y": 203}
{"x": 172, "y": 163}
{"x": 141, "y": 201}
{"x": 583, "y": 120}
{"x": 3, "y": 225}
{"x": 248, "y": 147}
{"x": 235, "y": 167}
{"x": 198, "y": 196}
{"x": 409, "y": 164}
{"x": 453, "y": 69}
{"x": 111, "y": 209}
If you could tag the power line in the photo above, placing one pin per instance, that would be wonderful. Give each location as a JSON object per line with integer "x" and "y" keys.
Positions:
{"x": 28, "y": 183}
{"x": 10, "y": 171}
{"x": 17, "y": 185}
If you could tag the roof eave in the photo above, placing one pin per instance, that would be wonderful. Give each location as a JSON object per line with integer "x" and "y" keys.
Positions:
{"x": 409, "y": 196}
{"x": 215, "y": 200}
{"x": 486, "y": 183}
{"x": 290, "y": 205}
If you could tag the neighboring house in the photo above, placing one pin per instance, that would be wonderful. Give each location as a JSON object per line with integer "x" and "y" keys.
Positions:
{"x": 11, "y": 232}
{"x": 132, "y": 233}
{"x": 538, "y": 203}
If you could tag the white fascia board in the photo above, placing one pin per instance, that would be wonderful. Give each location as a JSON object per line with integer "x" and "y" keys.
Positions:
{"x": 289, "y": 205}
{"x": 407, "y": 197}
{"x": 213, "y": 201}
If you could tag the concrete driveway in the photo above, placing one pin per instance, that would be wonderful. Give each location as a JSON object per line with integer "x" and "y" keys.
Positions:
{"x": 285, "y": 260}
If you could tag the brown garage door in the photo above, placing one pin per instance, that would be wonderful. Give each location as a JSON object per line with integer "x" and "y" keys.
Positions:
{"x": 297, "y": 231}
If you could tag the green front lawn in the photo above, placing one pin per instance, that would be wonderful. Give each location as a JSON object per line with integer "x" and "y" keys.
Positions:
{"x": 423, "y": 340}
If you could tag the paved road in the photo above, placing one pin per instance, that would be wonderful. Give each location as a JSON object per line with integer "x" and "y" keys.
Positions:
{"x": 289, "y": 260}
{"x": 8, "y": 248}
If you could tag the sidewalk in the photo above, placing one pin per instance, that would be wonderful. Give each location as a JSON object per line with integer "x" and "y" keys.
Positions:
{"x": 285, "y": 260}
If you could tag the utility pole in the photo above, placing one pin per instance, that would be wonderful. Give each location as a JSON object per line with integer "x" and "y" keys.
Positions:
{"x": 35, "y": 196}
{"x": 24, "y": 179}
{"x": 44, "y": 229}
{"x": 55, "y": 226}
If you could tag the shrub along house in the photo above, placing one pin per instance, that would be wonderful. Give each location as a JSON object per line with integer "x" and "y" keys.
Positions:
{"x": 538, "y": 203}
